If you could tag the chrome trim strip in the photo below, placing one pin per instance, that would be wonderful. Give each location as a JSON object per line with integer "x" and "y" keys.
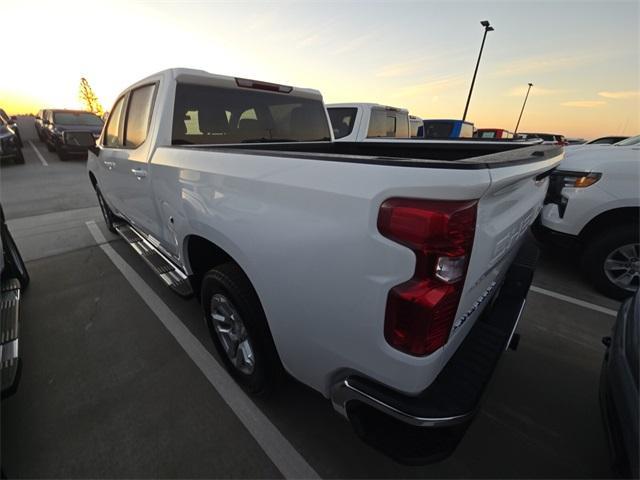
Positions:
{"x": 343, "y": 392}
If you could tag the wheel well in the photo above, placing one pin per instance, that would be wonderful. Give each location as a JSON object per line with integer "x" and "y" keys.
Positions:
{"x": 202, "y": 256}
{"x": 94, "y": 182}
{"x": 617, "y": 216}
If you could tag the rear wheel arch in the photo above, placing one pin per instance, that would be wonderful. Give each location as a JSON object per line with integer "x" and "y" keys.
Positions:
{"x": 201, "y": 255}
{"x": 204, "y": 259}
{"x": 614, "y": 217}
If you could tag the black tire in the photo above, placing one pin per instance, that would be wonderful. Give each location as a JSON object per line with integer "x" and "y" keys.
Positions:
{"x": 19, "y": 157}
{"x": 229, "y": 280}
{"x": 61, "y": 155}
{"x": 109, "y": 217}
{"x": 15, "y": 265}
{"x": 598, "y": 247}
{"x": 50, "y": 147}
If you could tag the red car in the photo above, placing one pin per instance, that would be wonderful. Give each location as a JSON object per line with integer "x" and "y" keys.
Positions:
{"x": 493, "y": 133}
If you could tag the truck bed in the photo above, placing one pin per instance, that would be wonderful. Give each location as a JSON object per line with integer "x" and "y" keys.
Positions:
{"x": 406, "y": 153}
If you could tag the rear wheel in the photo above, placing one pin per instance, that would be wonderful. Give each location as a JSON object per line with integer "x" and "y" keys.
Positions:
{"x": 109, "y": 217}
{"x": 612, "y": 261}
{"x": 61, "y": 154}
{"x": 239, "y": 329}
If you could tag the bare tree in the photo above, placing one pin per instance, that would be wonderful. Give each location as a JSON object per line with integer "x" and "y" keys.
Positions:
{"x": 89, "y": 98}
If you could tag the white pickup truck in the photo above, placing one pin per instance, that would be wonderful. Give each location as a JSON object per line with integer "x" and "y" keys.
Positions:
{"x": 388, "y": 276}
{"x": 356, "y": 122}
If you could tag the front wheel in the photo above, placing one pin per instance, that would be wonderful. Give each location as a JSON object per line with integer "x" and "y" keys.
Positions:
{"x": 109, "y": 217}
{"x": 612, "y": 261}
{"x": 239, "y": 329}
{"x": 15, "y": 265}
{"x": 50, "y": 147}
{"x": 19, "y": 157}
{"x": 61, "y": 155}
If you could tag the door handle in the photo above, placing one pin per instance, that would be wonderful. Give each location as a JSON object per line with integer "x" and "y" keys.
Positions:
{"x": 138, "y": 172}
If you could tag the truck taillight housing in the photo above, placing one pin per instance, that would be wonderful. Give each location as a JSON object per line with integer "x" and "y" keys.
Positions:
{"x": 421, "y": 311}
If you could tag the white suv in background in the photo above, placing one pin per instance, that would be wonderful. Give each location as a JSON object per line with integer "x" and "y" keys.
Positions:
{"x": 594, "y": 203}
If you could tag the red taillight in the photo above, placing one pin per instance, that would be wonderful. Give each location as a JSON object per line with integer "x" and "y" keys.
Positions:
{"x": 420, "y": 312}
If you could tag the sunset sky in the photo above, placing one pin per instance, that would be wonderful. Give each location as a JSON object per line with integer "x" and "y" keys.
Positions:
{"x": 583, "y": 57}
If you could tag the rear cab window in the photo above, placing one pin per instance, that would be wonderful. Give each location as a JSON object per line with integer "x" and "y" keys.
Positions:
{"x": 466, "y": 130}
{"x": 217, "y": 115}
{"x": 342, "y": 121}
{"x": 387, "y": 123}
{"x": 438, "y": 129}
{"x": 487, "y": 134}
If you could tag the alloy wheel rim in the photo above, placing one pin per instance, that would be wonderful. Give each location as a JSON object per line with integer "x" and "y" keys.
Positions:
{"x": 622, "y": 266}
{"x": 232, "y": 333}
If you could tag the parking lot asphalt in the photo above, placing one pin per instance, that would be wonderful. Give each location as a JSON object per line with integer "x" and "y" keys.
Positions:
{"x": 108, "y": 391}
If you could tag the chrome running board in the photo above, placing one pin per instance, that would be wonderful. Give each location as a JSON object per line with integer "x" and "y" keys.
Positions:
{"x": 171, "y": 275}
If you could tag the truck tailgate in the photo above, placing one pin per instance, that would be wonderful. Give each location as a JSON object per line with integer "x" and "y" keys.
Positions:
{"x": 505, "y": 213}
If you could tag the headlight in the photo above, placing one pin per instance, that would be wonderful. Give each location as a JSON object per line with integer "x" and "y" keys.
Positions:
{"x": 578, "y": 179}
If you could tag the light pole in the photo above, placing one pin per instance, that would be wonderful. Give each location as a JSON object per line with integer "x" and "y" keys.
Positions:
{"x": 521, "y": 111}
{"x": 487, "y": 28}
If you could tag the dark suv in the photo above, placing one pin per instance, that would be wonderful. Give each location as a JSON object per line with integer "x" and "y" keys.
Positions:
{"x": 9, "y": 145}
{"x": 39, "y": 124}
{"x": 57, "y": 124}
{"x": 12, "y": 122}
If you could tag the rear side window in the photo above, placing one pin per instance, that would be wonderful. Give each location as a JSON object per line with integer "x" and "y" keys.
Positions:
{"x": 138, "y": 115}
{"x": 438, "y": 129}
{"x": 342, "y": 120}
{"x": 215, "y": 115}
{"x": 112, "y": 134}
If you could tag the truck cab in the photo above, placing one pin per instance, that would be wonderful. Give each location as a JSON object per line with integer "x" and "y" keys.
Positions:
{"x": 355, "y": 122}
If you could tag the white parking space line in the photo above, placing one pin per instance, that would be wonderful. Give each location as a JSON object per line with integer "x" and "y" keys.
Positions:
{"x": 40, "y": 157}
{"x": 283, "y": 455}
{"x": 575, "y": 301}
